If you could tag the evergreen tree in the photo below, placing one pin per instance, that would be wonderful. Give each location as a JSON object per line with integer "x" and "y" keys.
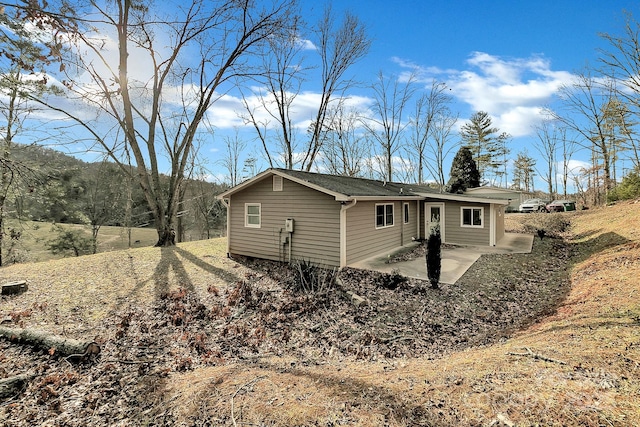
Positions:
{"x": 464, "y": 173}
{"x": 523, "y": 172}
{"x": 487, "y": 147}
{"x": 434, "y": 257}
{"x": 629, "y": 188}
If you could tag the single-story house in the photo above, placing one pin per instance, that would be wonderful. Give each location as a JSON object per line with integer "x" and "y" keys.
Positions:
{"x": 285, "y": 215}
{"x": 514, "y": 197}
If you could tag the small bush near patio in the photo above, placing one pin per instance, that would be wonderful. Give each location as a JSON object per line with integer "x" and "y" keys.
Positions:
{"x": 434, "y": 257}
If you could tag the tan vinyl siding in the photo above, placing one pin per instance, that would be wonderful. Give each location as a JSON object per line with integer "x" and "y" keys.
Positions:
{"x": 410, "y": 230}
{"x": 456, "y": 234}
{"x": 499, "y": 223}
{"x": 364, "y": 240}
{"x": 316, "y": 216}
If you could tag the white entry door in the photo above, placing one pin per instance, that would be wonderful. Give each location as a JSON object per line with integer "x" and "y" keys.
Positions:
{"x": 434, "y": 216}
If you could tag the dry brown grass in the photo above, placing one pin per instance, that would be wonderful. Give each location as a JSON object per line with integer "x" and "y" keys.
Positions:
{"x": 80, "y": 292}
{"x": 586, "y": 373}
{"x": 590, "y": 377}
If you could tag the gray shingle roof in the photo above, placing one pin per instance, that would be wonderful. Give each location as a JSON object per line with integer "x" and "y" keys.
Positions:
{"x": 351, "y": 186}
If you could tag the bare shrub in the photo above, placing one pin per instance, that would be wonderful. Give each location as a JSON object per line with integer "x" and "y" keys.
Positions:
{"x": 311, "y": 278}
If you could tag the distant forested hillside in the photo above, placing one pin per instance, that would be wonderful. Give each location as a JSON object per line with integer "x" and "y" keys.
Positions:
{"x": 51, "y": 186}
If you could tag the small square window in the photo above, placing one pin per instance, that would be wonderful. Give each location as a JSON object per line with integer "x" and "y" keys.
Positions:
{"x": 252, "y": 217}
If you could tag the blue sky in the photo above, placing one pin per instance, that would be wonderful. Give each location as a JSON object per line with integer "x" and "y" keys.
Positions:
{"x": 504, "y": 57}
{"x": 507, "y": 58}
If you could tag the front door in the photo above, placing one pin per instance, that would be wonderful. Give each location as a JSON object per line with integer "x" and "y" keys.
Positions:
{"x": 434, "y": 216}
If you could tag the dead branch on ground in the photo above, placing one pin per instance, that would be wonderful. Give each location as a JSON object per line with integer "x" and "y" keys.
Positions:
{"x": 241, "y": 388}
{"x": 54, "y": 344}
{"x": 538, "y": 356}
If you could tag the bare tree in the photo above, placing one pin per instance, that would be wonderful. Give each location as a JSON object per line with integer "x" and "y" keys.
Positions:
{"x": 344, "y": 150}
{"x": 385, "y": 125}
{"x": 442, "y": 144}
{"x": 340, "y": 46}
{"x": 103, "y": 198}
{"x": 192, "y": 59}
{"x": 622, "y": 65}
{"x": 584, "y": 103}
{"x": 568, "y": 150}
{"x": 547, "y": 145}
{"x": 278, "y": 87}
{"x": 431, "y": 109}
{"x": 231, "y": 161}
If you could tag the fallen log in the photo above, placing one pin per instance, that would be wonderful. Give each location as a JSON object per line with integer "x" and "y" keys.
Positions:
{"x": 54, "y": 344}
{"x": 12, "y": 385}
{"x": 13, "y": 288}
{"x": 356, "y": 299}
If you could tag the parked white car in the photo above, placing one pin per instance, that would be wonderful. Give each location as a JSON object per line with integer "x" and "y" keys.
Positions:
{"x": 533, "y": 205}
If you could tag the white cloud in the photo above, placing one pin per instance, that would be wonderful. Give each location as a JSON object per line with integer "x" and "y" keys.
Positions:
{"x": 577, "y": 167}
{"x": 519, "y": 121}
{"x": 306, "y": 44}
{"x": 513, "y": 91}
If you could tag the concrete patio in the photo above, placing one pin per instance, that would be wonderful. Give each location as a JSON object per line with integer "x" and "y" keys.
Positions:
{"x": 455, "y": 260}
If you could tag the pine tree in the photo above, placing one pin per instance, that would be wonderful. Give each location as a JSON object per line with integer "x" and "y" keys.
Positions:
{"x": 487, "y": 147}
{"x": 464, "y": 173}
{"x": 523, "y": 172}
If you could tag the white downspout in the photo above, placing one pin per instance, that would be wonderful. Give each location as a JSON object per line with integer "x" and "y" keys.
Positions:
{"x": 418, "y": 218}
{"x": 492, "y": 225}
{"x": 343, "y": 231}
{"x": 228, "y": 206}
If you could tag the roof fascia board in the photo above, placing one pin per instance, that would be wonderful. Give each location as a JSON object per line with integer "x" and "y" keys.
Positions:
{"x": 270, "y": 172}
{"x": 338, "y": 196}
{"x": 498, "y": 189}
{"x": 460, "y": 198}
{"x": 370, "y": 198}
{"x": 244, "y": 185}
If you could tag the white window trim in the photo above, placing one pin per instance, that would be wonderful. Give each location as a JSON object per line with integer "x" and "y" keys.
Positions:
{"x": 462, "y": 224}
{"x": 406, "y": 219}
{"x": 246, "y": 215}
{"x": 393, "y": 215}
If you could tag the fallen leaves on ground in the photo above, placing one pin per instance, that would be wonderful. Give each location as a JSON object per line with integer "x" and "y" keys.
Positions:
{"x": 259, "y": 314}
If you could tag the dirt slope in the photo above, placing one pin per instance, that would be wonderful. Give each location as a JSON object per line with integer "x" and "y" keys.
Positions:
{"x": 192, "y": 338}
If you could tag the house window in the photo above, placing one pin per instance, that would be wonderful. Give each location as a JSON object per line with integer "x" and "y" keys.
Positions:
{"x": 277, "y": 183}
{"x": 252, "y": 215}
{"x": 384, "y": 215}
{"x": 472, "y": 217}
{"x": 405, "y": 211}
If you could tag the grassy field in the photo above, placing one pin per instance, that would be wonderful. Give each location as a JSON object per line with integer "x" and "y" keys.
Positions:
{"x": 35, "y": 235}
{"x": 577, "y": 367}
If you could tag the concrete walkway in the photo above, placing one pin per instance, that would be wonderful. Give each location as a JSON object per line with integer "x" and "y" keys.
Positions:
{"x": 455, "y": 261}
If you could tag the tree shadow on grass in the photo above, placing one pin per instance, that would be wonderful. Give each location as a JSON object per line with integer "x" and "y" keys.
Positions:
{"x": 169, "y": 261}
{"x": 222, "y": 273}
{"x": 596, "y": 243}
{"x": 172, "y": 260}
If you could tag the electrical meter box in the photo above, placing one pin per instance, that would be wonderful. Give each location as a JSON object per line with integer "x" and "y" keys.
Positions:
{"x": 288, "y": 225}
